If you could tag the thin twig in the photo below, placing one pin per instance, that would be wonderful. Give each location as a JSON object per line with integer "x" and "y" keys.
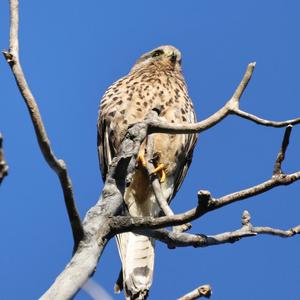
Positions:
{"x": 243, "y": 84}
{"x": 180, "y": 239}
{"x": 3, "y": 164}
{"x": 57, "y": 165}
{"x": 269, "y": 123}
{"x": 281, "y": 155}
{"x": 122, "y": 224}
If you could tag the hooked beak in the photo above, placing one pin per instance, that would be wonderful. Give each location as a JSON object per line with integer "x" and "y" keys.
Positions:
{"x": 173, "y": 57}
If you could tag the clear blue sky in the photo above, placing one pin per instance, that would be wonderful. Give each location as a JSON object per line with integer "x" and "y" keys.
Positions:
{"x": 71, "y": 51}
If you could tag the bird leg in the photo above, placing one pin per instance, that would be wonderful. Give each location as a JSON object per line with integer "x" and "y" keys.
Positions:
{"x": 160, "y": 171}
{"x": 141, "y": 160}
{"x": 160, "y": 168}
{"x": 157, "y": 189}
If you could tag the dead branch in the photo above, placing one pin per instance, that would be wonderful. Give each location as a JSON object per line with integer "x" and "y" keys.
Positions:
{"x": 179, "y": 239}
{"x": 269, "y": 123}
{"x": 97, "y": 230}
{"x": 57, "y": 165}
{"x": 201, "y": 291}
{"x": 3, "y": 164}
{"x": 281, "y": 154}
{"x": 156, "y": 126}
{"x": 230, "y": 108}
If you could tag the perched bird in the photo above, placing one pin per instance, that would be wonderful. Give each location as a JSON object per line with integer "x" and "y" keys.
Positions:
{"x": 155, "y": 81}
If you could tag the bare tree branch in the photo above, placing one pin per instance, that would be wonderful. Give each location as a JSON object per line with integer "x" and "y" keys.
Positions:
{"x": 57, "y": 165}
{"x": 247, "y": 230}
{"x": 228, "y": 108}
{"x": 264, "y": 122}
{"x": 122, "y": 224}
{"x": 3, "y": 164}
{"x": 281, "y": 155}
{"x": 206, "y": 203}
{"x": 180, "y": 239}
{"x": 231, "y": 107}
{"x": 175, "y": 239}
{"x": 201, "y": 291}
{"x": 97, "y": 229}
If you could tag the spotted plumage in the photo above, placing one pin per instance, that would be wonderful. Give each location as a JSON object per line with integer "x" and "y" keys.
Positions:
{"x": 155, "y": 81}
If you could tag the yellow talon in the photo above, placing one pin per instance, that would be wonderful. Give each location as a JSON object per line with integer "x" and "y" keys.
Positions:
{"x": 141, "y": 160}
{"x": 160, "y": 170}
{"x": 162, "y": 176}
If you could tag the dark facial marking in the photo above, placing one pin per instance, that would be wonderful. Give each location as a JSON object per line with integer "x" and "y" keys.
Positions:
{"x": 157, "y": 52}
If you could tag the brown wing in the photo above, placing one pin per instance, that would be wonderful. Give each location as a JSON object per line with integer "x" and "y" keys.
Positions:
{"x": 185, "y": 157}
{"x": 106, "y": 151}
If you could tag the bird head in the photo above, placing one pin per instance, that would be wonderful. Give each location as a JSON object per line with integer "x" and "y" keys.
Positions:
{"x": 167, "y": 57}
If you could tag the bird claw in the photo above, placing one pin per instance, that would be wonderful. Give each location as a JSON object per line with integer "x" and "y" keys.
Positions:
{"x": 160, "y": 171}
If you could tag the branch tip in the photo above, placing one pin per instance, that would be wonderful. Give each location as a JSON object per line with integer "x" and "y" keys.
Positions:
{"x": 204, "y": 196}
{"x": 201, "y": 291}
{"x": 296, "y": 230}
{"x": 246, "y": 217}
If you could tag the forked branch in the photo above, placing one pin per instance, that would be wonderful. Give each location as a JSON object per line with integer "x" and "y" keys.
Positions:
{"x": 230, "y": 108}
{"x": 205, "y": 201}
{"x": 180, "y": 239}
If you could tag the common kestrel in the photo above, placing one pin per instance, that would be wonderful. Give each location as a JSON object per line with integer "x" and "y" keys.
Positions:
{"x": 155, "y": 81}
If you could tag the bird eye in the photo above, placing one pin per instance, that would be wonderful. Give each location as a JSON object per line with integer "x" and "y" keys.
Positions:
{"x": 157, "y": 53}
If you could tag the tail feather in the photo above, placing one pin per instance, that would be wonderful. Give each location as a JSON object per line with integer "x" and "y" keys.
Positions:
{"x": 137, "y": 251}
{"x": 137, "y": 254}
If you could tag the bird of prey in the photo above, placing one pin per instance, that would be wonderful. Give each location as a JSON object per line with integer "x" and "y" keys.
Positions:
{"x": 155, "y": 81}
